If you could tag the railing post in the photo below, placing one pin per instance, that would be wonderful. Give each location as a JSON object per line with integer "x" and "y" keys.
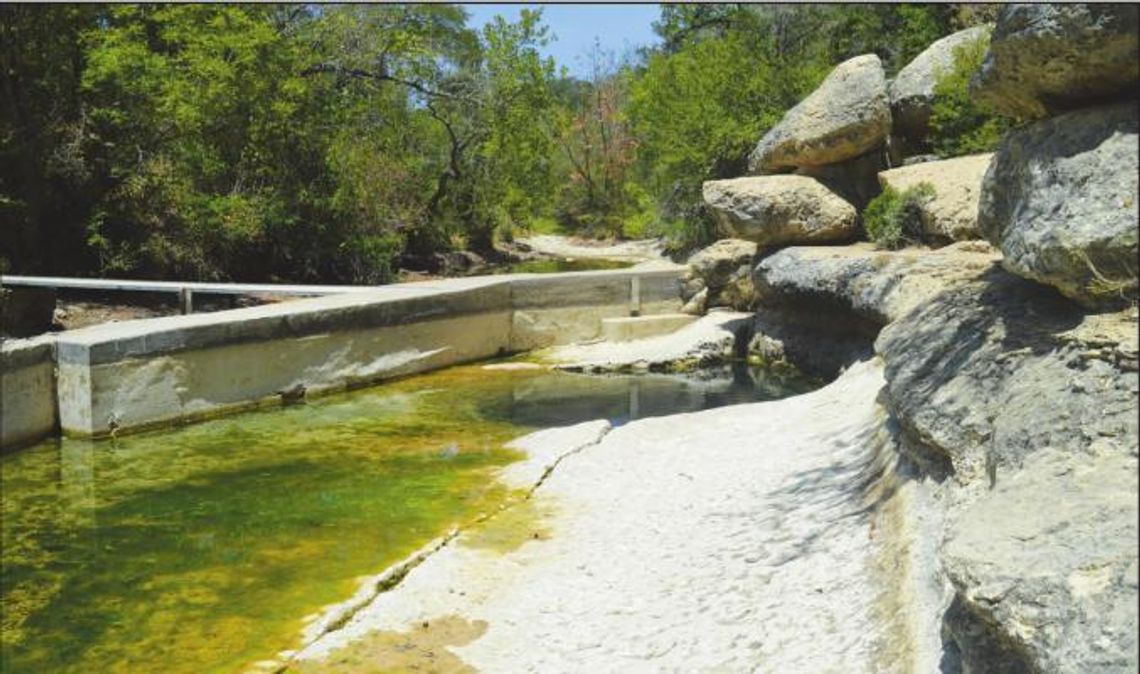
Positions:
{"x": 635, "y": 296}
{"x": 185, "y": 301}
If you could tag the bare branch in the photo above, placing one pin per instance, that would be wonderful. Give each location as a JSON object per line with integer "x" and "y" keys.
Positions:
{"x": 331, "y": 68}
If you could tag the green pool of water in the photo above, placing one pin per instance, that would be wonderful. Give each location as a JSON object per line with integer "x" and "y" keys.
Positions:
{"x": 553, "y": 265}
{"x": 202, "y": 549}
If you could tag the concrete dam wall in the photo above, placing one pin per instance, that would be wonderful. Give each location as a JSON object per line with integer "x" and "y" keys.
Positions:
{"x": 134, "y": 375}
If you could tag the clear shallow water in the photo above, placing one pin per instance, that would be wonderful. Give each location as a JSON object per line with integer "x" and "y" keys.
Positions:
{"x": 201, "y": 549}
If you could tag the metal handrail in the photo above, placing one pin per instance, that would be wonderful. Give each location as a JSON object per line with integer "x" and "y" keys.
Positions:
{"x": 184, "y": 289}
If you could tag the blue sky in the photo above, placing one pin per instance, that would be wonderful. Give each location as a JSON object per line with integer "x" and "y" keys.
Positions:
{"x": 618, "y": 27}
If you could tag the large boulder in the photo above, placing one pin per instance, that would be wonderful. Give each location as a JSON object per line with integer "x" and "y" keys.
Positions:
{"x": 1031, "y": 402}
{"x": 716, "y": 264}
{"x": 912, "y": 91}
{"x": 722, "y": 276}
{"x": 952, "y": 214}
{"x": 1017, "y": 408}
{"x": 1048, "y": 58}
{"x": 847, "y": 116}
{"x": 778, "y": 210}
{"x": 1060, "y": 202}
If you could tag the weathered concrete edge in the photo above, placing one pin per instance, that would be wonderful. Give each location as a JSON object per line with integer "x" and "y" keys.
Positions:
{"x": 151, "y": 337}
{"x": 27, "y": 366}
{"x": 18, "y": 353}
{"x": 388, "y": 306}
{"x": 139, "y": 341}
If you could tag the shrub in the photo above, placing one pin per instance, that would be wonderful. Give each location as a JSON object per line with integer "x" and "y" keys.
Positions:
{"x": 894, "y": 219}
{"x": 958, "y": 124}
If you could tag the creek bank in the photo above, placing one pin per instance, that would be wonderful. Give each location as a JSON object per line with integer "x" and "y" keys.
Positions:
{"x": 713, "y": 540}
{"x": 551, "y": 245}
{"x": 713, "y": 339}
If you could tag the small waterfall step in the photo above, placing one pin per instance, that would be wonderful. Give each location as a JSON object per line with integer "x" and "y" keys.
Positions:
{"x": 626, "y": 329}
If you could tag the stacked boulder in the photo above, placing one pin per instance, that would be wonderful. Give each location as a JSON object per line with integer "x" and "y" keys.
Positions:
{"x": 1060, "y": 197}
{"x": 809, "y": 173}
{"x": 912, "y": 93}
{"x": 831, "y": 144}
{"x": 837, "y": 144}
{"x": 848, "y": 116}
{"x": 720, "y": 275}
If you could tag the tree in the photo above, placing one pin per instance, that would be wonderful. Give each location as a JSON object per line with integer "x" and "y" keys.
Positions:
{"x": 599, "y": 149}
{"x": 482, "y": 89}
{"x": 43, "y": 127}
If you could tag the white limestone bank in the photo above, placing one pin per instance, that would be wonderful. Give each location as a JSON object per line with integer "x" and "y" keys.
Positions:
{"x": 765, "y": 537}
{"x": 707, "y": 341}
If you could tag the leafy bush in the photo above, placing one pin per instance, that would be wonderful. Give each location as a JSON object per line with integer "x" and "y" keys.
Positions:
{"x": 894, "y": 219}
{"x": 958, "y": 124}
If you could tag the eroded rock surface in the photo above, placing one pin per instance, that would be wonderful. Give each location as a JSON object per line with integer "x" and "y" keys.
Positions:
{"x": 1060, "y": 201}
{"x": 821, "y": 307}
{"x": 723, "y": 273}
{"x": 717, "y": 263}
{"x": 877, "y": 285}
{"x": 952, "y": 215}
{"x": 1049, "y": 556}
{"x": 778, "y": 210}
{"x": 1051, "y": 57}
{"x": 847, "y": 116}
{"x": 710, "y": 340}
{"x": 747, "y": 538}
{"x": 1022, "y": 407}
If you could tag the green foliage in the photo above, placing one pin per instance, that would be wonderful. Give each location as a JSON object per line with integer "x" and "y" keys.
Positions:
{"x": 894, "y": 219}
{"x": 266, "y": 142}
{"x": 958, "y": 124}
{"x": 296, "y": 143}
{"x": 697, "y": 112}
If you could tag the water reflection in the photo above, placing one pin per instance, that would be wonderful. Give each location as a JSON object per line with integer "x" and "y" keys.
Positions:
{"x": 557, "y": 398}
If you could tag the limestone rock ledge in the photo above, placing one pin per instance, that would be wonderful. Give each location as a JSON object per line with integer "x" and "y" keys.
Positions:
{"x": 1021, "y": 405}
{"x": 1046, "y": 58}
{"x": 710, "y": 340}
{"x": 1060, "y": 200}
